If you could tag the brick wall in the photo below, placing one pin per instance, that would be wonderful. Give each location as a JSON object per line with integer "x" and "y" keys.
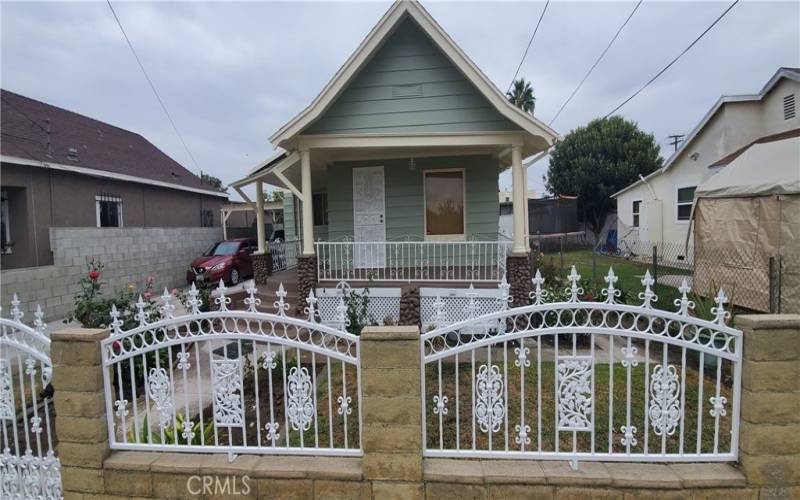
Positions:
{"x": 129, "y": 255}
{"x": 392, "y": 466}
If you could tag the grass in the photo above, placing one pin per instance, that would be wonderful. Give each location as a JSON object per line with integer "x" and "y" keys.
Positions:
{"x": 583, "y": 440}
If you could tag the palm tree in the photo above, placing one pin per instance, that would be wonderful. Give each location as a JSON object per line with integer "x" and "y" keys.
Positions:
{"x": 521, "y": 95}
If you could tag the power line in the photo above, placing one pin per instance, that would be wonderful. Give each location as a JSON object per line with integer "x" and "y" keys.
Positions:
{"x": 525, "y": 54}
{"x": 24, "y": 115}
{"x": 596, "y": 62}
{"x": 153, "y": 87}
{"x": 665, "y": 68}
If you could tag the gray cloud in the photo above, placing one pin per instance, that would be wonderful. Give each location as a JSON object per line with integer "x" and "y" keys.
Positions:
{"x": 232, "y": 73}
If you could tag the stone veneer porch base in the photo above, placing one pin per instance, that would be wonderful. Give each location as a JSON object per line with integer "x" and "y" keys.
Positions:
{"x": 518, "y": 274}
{"x": 262, "y": 267}
{"x": 306, "y": 279}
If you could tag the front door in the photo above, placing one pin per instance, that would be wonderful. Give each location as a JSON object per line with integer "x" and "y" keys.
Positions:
{"x": 369, "y": 210}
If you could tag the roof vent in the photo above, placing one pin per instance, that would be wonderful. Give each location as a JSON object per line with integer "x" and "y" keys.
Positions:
{"x": 788, "y": 107}
{"x": 72, "y": 154}
{"x": 400, "y": 91}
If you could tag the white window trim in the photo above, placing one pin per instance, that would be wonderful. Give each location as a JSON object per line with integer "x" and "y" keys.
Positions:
{"x": 6, "y": 251}
{"x": 444, "y": 237}
{"x": 639, "y": 213}
{"x": 98, "y": 199}
{"x": 677, "y": 204}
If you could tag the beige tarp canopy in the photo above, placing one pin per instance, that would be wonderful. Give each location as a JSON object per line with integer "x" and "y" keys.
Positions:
{"x": 744, "y": 215}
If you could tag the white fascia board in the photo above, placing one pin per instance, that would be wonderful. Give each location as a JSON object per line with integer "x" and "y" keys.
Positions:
{"x": 374, "y": 39}
{"x": 107, "y": 175}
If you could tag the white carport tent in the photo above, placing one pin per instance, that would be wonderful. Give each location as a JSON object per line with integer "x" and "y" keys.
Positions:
{"x": 744, "y": 215}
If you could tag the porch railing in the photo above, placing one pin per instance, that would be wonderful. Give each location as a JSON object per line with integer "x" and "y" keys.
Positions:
{"x": 284, "y": 254}
{"x": 466, "y": 261}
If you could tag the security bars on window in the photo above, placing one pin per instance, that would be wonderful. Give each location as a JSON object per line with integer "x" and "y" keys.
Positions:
{"x": 577, "y": 380}
{"x": 232, "y": 381}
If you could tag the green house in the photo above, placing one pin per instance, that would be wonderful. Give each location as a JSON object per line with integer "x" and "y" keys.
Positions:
{"x": 393, "y": 168}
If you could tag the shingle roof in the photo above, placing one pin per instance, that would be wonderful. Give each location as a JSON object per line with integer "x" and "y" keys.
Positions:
{"x": 24, "y": 125}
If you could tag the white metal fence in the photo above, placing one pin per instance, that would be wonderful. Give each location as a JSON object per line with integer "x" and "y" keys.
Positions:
{"x": 464, "y": 261}
{"x": 234, "y": 381}
{"x": 29, "y": 467}
{"x": 584, "y": 381}
{"x": 284, "y": 254}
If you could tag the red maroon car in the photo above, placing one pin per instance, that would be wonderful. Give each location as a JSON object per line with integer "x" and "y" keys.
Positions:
{"x": 227, "y": 260}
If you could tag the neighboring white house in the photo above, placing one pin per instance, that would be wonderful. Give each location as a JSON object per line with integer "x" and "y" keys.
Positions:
{"x": 656, "y": 210}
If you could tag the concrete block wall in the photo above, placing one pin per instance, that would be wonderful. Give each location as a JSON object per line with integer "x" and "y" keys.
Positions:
{"x": 129, "y": 256}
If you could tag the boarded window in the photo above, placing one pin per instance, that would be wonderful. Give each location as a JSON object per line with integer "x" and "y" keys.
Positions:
{"x": 685, "y": 198}
{"x": 444, "y": 203}
{"x": 206, "y": 218}
{"x": 636, "y": 207}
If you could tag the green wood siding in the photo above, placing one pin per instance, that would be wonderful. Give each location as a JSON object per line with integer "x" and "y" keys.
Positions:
{"x": 291, "y": 220}
{"x": 410, "y": 86}
{"x": 404, "y": 195}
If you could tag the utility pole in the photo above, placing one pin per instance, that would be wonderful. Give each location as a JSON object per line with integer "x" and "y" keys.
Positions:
{"x": 676, "y": 140}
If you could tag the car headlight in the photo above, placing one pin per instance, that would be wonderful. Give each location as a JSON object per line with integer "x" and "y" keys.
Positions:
{"x": 219, "y": 267}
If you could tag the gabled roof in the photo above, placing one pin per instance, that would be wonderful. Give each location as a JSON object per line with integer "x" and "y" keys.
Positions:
{"x": 398, "y": 12}
{"x": 40, "y": 134}
{"x": 790, "y": 73}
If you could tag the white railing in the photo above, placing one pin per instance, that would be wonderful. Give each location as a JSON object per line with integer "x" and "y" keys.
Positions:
{"x": 467, "y": 261}
{"x": 578, "y": 380}
{"x": 232, "y": 381}
{"x": 29, "y": 467}
{"x": 284, "y": 254}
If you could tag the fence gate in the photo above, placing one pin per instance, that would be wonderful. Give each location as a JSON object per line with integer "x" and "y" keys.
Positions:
{"x": 29, "y": 467}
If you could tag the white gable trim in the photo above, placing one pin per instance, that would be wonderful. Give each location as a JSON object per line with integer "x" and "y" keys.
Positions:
{"x": 371, "y": 43}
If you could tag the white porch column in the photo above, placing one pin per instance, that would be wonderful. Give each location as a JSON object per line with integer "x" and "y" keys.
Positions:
{"x": 519, "y": 191}
{"x": 262, "y": 245}
{"x": 308, "y": 211}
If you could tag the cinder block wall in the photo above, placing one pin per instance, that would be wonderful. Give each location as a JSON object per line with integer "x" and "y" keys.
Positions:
{"x": 393, "y": 467}
{"x": 129, "y": 256}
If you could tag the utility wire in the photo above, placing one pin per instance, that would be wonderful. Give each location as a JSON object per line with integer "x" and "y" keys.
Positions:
{"x": 665, "y": 68}
{"x": 525, "y": 54}
{"x": 596, "y": 62}
{"x": 24, "y": 115}
{"x": 149, "y": 81}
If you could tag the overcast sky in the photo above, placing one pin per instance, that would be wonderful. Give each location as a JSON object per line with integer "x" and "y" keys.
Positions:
{"x": 233, "y": 73}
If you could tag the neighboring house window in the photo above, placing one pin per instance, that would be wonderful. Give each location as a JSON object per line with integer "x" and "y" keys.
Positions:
{"x": 109, "y": 210}
{"x": 206, "y": 218}
{"x": 5, "y": 225}
{"x": 685, "y": 198}
{"x": 320, "y": 202}
{"x": 788, "y": 107}
{"x": 444, "y": 203}
{"x": 636, "y": 208}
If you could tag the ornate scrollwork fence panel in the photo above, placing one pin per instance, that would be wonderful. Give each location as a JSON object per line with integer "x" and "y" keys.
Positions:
{"x": 29, "y": 467}
{"x": 576, "y": 380}
{"x": 232, "y": 381}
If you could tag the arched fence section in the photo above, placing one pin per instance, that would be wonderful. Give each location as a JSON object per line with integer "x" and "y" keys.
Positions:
{"x": 576, "y": 380}
{"x": 29, "y": 467}
{"x": 231, "y": 381}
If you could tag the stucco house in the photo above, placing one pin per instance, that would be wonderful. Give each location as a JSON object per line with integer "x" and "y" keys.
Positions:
{"x": 657, "y": 209}
{"x": 394, "y": 166}
{"x": 62, "y": 169}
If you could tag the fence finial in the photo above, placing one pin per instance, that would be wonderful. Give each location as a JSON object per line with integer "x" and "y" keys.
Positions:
{"x": 251, "y": 301}
{"x": 439, "y": 314}
{"x": 222, "y": 301}
{"x": 683, "y": 303}
{"x": 648, "y": 296}
{"x": 38, "y": 320}
{"x": 472, "y": 306}
{"x": 311, "y": 309}
{"x": 611, "y": 292}
{"x": 505, "y": 299}
{"x": 280, "y": 304}
{"x": 539, "y": 295}
{"x": 116, "y": 323}
{"x": 194, "y": 301}
{"x": 574, "y": 290}
{"x": 16, "y": 313}
{"x": 719, "y": 312}
{"x": 141, "y": 314}
{"x": 167, "y": 307}
{"x": 342, "y": 321}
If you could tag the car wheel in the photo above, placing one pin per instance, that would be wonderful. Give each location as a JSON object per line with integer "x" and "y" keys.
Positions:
{"x": 234, "y": 276}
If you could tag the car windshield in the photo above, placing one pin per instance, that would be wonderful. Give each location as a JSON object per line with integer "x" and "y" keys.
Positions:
{"x": 223, "y": 248}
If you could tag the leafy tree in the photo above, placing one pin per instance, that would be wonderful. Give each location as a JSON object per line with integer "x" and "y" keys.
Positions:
{"x": 273, "y": 196}
{"x": 521, "y": 95}
{"x": 210, "y": 180}
{"x": 596, "y": 161}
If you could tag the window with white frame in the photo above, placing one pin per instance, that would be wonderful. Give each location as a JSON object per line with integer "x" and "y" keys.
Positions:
{"x": 444, "y": 203}
{"x": 5, "y": 224}
{"x": 637, "y": 205}
{"x": 685, "y": 198}
{"x": 109, "y": 210}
